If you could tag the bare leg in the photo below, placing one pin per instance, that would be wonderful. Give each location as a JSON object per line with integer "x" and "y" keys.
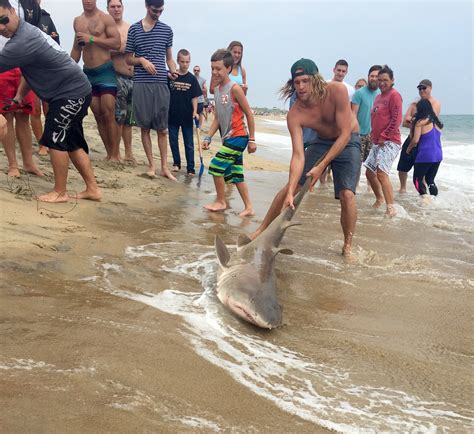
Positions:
{"x": 82, "y": 163}
{"x": 348, "y": 219}
{"x": 96, "y": 109}
{"x": 387, "y": 193}
{"x": 244, "y": 194}
{"x": 23, "y": 134}
{"x": 107, "y": 118}
{"x": 219, "y": 204}
{"x": 37, "y": 126}
{"x": 376, "y": 187}
{"x": 163, "y": 147}
{"x": 126, "y": 134}
{"x": 60, "y": 163}
{"x": 146, "y": 141}
{"x": 9, "y": 146}
{"x": 403, "y": 176}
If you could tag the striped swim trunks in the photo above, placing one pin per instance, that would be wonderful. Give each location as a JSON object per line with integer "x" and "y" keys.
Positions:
{"x": 228, "y": 162}
{"x": 382, "y": 157}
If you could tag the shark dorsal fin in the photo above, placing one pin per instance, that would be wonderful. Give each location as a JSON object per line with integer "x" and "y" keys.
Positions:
{"x": 222, "y": 253}
{"x": 243, "y": 240}
{"x": 282, "y": 251}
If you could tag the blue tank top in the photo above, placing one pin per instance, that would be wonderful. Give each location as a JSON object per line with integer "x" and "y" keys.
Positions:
{"x": 429, "y": 147}
{"x": 237, "y": 78}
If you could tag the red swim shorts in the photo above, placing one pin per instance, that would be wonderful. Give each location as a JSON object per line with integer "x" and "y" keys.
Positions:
{"x": 9, "y": 83}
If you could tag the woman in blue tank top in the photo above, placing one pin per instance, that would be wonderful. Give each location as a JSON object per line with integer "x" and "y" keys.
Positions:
{"x": 426, "y": 138}
{"x": 238, "y": 73}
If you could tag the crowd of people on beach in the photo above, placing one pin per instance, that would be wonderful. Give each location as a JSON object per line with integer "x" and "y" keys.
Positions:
{"x": 130, "y": 78}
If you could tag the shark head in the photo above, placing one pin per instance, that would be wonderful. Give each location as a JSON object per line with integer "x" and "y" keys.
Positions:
{"x": 242, "y": 291}
{"x": 246, "y": 290}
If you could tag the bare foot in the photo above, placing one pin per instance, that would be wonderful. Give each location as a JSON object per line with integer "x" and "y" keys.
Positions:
{"x": 349, "y": 257}
{"x": 175, "y": 169}
{"x": 14, "y": 172}
{"x": 247, "y": 212}
{"x": 216, "y": 206}
{"x": 167, "y": 174}
{"x": 43, "y": 150}
{"x": 191, "y": 174}
{"x": 425, "y": 200}
{"x": 402, "y": 190}
{"x": 151, "y": 174}
{"x": 391, "y": 211}
{"x": 114, "y": 160}
{"x": 34, "y": 170}
{"x": 378, "y": 203}
{"x": 89, "y": 195}
{"x": 54, "y": 197}
{"x": 130, "y": 159}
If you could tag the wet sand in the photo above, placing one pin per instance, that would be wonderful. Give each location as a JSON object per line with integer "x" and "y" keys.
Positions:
{"x": 109, "y": 322}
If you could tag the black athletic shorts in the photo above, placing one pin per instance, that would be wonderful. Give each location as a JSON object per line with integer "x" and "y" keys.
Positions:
{"x": 63, "y": 125}
{"x": 406, "y": 161}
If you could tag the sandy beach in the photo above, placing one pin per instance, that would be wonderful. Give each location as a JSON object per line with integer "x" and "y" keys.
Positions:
{"x": 109, "y": 322}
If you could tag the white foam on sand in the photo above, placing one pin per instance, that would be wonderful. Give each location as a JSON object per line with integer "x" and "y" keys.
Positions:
{"x": 316, "y": 392}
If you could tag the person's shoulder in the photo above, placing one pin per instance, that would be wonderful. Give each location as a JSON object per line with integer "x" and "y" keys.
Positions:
{"x": 164, "y": 26}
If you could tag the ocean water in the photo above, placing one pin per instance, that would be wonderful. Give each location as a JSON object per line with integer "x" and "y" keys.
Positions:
{"x": 381, "y": 344}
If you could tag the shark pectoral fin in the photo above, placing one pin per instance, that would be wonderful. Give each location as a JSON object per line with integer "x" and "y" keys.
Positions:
{"x": 243, "y": 240}
{"x": 282, "y": 251}
{"x": 222, "y": 253}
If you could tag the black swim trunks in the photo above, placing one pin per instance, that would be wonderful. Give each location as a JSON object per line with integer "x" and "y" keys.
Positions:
{"x": 345, "y": 167}
{"x": 406, "y": 161}
{"x": 63, "y": 125}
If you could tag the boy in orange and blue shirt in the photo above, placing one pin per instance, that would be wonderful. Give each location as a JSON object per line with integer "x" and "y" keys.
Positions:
{"x": 230, "y": 107}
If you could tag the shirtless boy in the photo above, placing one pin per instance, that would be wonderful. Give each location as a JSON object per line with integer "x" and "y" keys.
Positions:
{"x": 96, "y": 36}
{"x": 323, "y": 107}
{"x": 124, "y": 74}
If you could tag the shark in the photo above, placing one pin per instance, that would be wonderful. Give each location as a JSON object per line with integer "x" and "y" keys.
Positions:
{"x": 246, "y": 280}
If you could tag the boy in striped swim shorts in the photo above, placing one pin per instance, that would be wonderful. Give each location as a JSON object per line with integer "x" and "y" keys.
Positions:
{"x": 231, "y": 106}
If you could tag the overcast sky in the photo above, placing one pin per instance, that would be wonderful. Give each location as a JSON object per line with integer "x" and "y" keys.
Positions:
{"x": 424, "y": 39}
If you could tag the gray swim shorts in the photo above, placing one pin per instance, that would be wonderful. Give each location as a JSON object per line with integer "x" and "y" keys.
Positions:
{"x": 345, "y": 167}
{"x": 123, "y": 100}
{"x": 151, "y": 103}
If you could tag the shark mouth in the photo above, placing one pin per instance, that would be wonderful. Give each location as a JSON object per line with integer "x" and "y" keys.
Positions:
{"x": 241, "y": 311}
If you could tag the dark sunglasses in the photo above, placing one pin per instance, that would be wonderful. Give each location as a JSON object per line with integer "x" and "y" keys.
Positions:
{"x": 422, "y": 88}
{"x": 155, "y": 10}
{"x": 4, "y": 20}
{"x": 197, "y": 70}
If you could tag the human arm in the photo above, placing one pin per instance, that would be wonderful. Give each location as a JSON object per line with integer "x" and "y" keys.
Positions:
{"x": 212, "y": 130}
{"x": 395, "y": 109}
{"x": 194, "y": 102}
{"x": 111, "y": 40}
{"x": 409, "y": 115}
{"x": 23, "y": 89}
{"x": 416, "y": 135}
{"x": 239, "y": 96}
{"x": 355, "y": 109}
{"x": 135, "y": 61}
{"x": 244, "y": 80}
{"x": 204, "y": 90}
{"x": 76, "y": 51}
{"x": 171, "y": 64}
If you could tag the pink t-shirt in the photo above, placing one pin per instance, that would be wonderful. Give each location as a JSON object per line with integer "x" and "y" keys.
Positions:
{"x": 386, "y": 117}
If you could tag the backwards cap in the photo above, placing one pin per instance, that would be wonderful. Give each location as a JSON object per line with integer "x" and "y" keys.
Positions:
{"x": 304, "y": 67}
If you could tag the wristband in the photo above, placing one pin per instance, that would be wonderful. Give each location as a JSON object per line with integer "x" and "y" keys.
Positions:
{"x": 91, "y": 39}
{"x": 207, "y": 139}
{"x": 251, "y": 139}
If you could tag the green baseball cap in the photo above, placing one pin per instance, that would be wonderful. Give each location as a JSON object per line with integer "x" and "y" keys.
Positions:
{"x": 304, "y": 67}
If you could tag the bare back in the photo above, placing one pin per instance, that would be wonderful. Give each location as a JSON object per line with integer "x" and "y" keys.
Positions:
{"x": 99, "y": 25}
{"x": 118, "y": 57}
{"x": 321, "y": 115}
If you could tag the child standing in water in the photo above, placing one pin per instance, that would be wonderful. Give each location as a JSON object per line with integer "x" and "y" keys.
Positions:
{"x": 230, "y": 107}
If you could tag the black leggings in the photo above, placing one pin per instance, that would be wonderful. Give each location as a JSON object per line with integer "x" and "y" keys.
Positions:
{"x": 426, "y": 172}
